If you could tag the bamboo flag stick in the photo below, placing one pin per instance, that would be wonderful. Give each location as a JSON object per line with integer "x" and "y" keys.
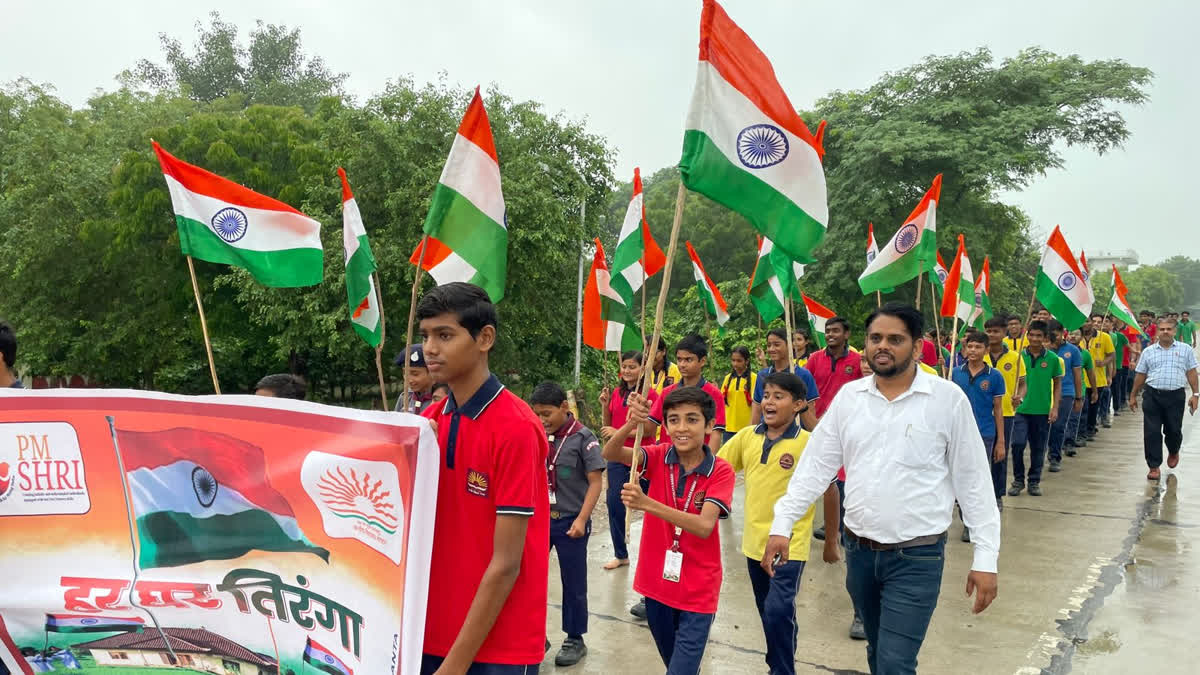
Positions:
{"x": 791, "y": 332}
{"x": 412, "y": 314}
{"x": 1025, "y": 330}
{"x": 937, "y": 329}
{"x": 212, "y": 366}
{"x": 919, "y": 284}
{"x": 879, "y": 299}
{"x": 379, "y": 348}
{"x": 953, "y": 340}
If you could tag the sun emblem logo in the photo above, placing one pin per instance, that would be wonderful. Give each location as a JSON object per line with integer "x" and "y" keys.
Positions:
{"x": 761, "y": 145}
{"x": 364, "y": 499}
{"x": 230, "y": 224}
{"x": 907, "y": 238}
{"x": 477, "y": 483}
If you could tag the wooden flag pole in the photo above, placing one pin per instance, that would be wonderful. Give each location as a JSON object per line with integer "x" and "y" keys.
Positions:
{"x": 953, "y": 340}
{"x": 791, "y": 331}
{"x": 212, "y": 366}
{"x": 879, "y": 299}
{"x": 645, "y": 280}
{"x": 937, "y": 329}
{"x": 919, "y": 284}
{"x": 379, "y": 348}
{"x": 412, "y": 314}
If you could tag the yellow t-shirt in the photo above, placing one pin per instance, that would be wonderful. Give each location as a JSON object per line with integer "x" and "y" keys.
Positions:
{"x": 1100, "y": 347}
{"x": 1016, "y": 344}
{"x": 928, "y": 368}
{"x": 766, "y": 483}
{"x": 662, "y": 381}
{"x": 737, "y": 406}
{"x": 1009, "y": 366}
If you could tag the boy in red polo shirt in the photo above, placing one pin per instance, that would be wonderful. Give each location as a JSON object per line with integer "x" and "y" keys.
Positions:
{"x": 679, "y": 568}
{"x": 488, "y": 573}
{"x": 691, "y": 355}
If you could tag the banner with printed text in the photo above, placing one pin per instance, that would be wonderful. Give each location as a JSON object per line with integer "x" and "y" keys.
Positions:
{"x": 151, "y": 533}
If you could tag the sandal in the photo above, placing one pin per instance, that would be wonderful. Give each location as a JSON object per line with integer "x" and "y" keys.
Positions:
{"x": 616, "y": 563}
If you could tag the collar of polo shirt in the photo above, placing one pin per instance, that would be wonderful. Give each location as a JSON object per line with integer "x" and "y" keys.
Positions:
{"x": 792, "y": 431}
{"x": 705, "y": 467}
{"x": 479, "y": 401}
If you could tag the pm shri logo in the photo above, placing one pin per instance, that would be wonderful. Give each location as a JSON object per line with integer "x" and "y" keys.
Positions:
{"x": 6, "y": 481}
{"x": 1067, "y": 281}
{"x": 907, "y": 238}
{"x": 230, "y": 224}
{"x": 761, "y": 145}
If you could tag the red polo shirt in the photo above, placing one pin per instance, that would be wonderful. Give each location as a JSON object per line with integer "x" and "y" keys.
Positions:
{"x": 656, "y": 409}
{"x": 618, "y": 410}
{"x": 699, "y": 582}
{"x": 831, "y": 374}
{"x": 493, "y": 463}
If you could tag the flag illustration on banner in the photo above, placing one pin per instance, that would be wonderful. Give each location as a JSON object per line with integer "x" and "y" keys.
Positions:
{"x": 958, "y": 298}
{"x": 1060, "y": 286}
{"x": 468, "y": 232}
{"x": 765, "y": 290}
{"x": 84, "y": 623}
{"x": 1087, "y": 277}
{"x": 222, "y": 222}
{"x": 200, "y": 495}
{"x": 1119, "y": 305}
{"x": 360, "y": 269}
{"x": 818, "y": 314}
{"x": 710, "y": 295}
{"x": 637, "y": 256}
{"x": 983, "y": 301}
{"x": 911, "y": 251}
{"x": 744, "y": 145}
{"x": 608, "y": 323}
{"x": 323, "y": 660}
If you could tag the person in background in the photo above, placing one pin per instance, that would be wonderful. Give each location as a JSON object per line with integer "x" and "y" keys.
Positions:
{"x": 777, "y": 357}
{"x": 1120, "y": 367}
{"x": 1185, "y": 329}
{"x": 1077, "y": 425}
{"x": 1016, "y": 332}
{"x": 1007, "y": 362}
{"x": 282, "y": 385}
{"x": 8, "y": 357}
{"x": 1071, "y": 390}
{"x": 1037, "y": 409}
{"x": 665, "y": 373}
{"x": 738, "y": 391}
{"x": 417, "y": 380}
{"x": 1166, "y": 369}
{"x": 692, "y": 355}
{"x": 984, "y": 387}
{"x": 440, "y": 391}
{"x": 802, "y": 346}
{"x": 1104, "y": 356}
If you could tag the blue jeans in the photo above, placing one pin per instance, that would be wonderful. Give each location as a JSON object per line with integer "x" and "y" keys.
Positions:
{"x": 680, "y": 636}
{"x": 572, "y": 568}
{"x": 895, "y": 592}
{"x": 430, "y": 664}
{"x": 775, "y": 598}
{"x": 618, "y": 475}
{"x": 1079, "y": 421}
{"x": 1058, "y": 430}
{"x": 1120, "y": 391}
{"x": 1036, "y": 430}
{"x": 1105, "y": 402}
{"x": 999, "y": 469}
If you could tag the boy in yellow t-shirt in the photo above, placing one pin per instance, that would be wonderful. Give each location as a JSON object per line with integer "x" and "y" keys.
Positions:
{"x": 1100, "y": 344}
{"x": 767, "y": 454}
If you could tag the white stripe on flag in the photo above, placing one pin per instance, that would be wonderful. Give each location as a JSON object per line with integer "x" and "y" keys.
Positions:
{"x": 266, "y": 230}
{"x": 472, "y": 173}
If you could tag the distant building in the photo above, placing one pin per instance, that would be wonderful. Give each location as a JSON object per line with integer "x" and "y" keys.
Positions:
{"x": 1101, "y": 261}
{"x": 195, "y": 649}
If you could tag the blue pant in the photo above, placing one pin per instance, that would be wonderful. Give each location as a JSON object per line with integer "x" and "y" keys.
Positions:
{"x": 1058, "y": 430}
{"x": 1105, "y": 402}
{"x": 895, "y": 592}
{"x": 775, "y": 598}
{"x": 1036, "y": 430}
{"x": 1120, "y": 389}
{"x": 618, "y": 475}
{"x": 680, "y": 636}
{"x": 572, "y": 568}
{"x": 1077, "y": 426}
{"x": 430, "y": 664}
{"x": 999, "y": 469}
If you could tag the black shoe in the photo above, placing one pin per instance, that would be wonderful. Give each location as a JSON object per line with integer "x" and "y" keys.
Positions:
{"x": 857, "y": 632}
{"x": 1055, "y": 467}
{"x": 1000, "y": 503}
{"x": 966, "y": 535}
{"x": 1069, "y": 443}
{"x": 547, "y": 646}
{"x": 1106, "y": 424}
{"x": 819, "y": 533}
{"x": 1081, "y": 443}
{"x": 1035, "y": 490}
{"x": 639, "y": 610}
{"x": 1070, "y": 452}
{"x": 571, "y": 652}
{"x": 1016, "y": 489}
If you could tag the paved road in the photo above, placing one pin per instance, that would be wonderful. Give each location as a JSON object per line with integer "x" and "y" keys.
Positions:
{"x": 1099, "y": 575}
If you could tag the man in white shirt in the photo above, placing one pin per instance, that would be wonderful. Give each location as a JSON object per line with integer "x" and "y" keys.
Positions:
{"x": 910, "y": 446}
{"x": 1165, "y": 368}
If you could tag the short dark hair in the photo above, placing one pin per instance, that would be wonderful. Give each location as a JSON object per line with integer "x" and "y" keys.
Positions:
{"x": 548, "y": 393}
{"x": 743, "y": 350}
{"x": 1146, "y": 312}
{"x": 913, "y": 322}
{"x": 1170, "y": 321}
{"x": 1054, "y": 326}
{"x": 694, "y": 344}
{"x": 284, "y": 385}
{"x": 1095, "y": 314}
{"x": 789, "y": 382}
{"x": 440, "y": 385}
{"x": 662, "y": 344}
{"x": 1039, "y": 326}
{"x": 837, "y": 321}
{"x": 468, "y": 302}
{"x": 780, "y": 333}
{"x": 1087, "y": 328}
{"x": 1186, "y": 312}
{"x": 632, "y": 354}
{"x": 8, "y": 344}
{"x": 975, "y": 336}
{"x": 995, "y": 322}
{"x": 1011, "y": 318}
{"x": 690, "y": 395}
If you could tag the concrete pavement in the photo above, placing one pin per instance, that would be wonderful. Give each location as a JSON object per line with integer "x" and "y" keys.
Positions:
{"x": 1096, "y": 576}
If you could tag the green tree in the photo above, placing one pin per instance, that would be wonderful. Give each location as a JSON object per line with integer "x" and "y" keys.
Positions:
{"x": 1187, "y": 272}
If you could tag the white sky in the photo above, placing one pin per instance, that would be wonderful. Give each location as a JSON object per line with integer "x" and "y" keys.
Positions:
{"x": 627, "y": 68}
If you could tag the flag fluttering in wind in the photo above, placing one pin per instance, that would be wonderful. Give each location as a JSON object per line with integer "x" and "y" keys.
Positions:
{"x": 766, "y": 292}
{"x": 360, "y": 270}
{"x": 939, "y": 273}
{"x": 958, "y": 300}
{"x": 1087, "y": 277}
{"x": 710, "y": 295}
{"x": 744, "y": 145}
{"x": 983, "y": 301}
{"x": 637, "y": 256}
{"x": 911, "y": 251}
{"x": 1118, "y": 284}
{"x": 818, "y": 314}
{"x": 1119, "y": 305}
{"x": 608, "y": 323}
{"x": 1060, "y": 287}
{"x": 466, "y": 225}
{"x": 873, "y": 251}
{"x": 223, "y": 222}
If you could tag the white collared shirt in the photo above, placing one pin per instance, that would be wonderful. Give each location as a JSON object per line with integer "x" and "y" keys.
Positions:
{"x": 907, "y": 461}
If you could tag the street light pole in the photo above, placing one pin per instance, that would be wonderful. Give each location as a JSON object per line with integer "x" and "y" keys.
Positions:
{"x": 579, "y": 296}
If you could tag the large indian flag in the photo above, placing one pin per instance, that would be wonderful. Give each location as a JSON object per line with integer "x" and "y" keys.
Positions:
{"x": 608, "y": 323}
{"x": 912, "y": 249}
{"x": 1060, "y": 286}
{"x": 1119, "y": 305}
{"x": 744, "y": 145}
{"x": 958, "y": 299}
{"x": 818, "y": 314}
{"x": 983, "y": 300}
{"x": 360, "y": 268}
{"x": 468, "y": 233}
{"x": 638, "y": 256}
{"x": 200, "y": 495}
{"x": 223, "y": 222}
{"x": 710, "y": 295}
{"x": 765, "y": 290}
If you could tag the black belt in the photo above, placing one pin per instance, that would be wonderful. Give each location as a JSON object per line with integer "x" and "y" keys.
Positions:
{"x": 873, "y": 545}
{"x": 555, "y": 514}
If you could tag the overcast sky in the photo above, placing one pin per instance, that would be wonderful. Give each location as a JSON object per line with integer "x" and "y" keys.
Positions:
{"x": 627, "y": 68}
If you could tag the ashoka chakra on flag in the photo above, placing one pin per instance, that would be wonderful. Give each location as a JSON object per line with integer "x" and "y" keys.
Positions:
{"x": 230, "y": 224}
{"x": 1067, "y": 281}
{"x": 906, "y": 238}
{"x": 761, "y": 145}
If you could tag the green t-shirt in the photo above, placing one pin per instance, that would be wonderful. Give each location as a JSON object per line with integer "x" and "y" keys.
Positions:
{"x": 1120, "y": 342}
{"x": 1184, "y": 331}
{"x": 1039, "y": 381}
{"x": 1087, "y": 367}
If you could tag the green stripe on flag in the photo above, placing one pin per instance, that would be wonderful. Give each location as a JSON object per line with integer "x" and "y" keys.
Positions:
{"x": 322, "y": 666}
{"x": 471, "y": 234}
{"x": 285, "y": 268}
{"x": 1057, "y": 302}
{"x": 359, "y": 268}
{"x": 614, "y": 312}
{"x": 169, "y": 538}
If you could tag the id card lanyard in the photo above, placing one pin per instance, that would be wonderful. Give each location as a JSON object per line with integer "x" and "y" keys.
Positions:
{"x": 552, "y": 464}
{"x": 673, "y": 558}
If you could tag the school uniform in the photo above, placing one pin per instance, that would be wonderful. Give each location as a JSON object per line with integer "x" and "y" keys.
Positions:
{"x": 1033, "y": 415}
{"x": 738, "y": 393}
{"x": 618, "y": 472}
{"x": 656, "y": 410}
{"x": 831, "y": 372}
{"x": 801, "y": 372}
{"x": 1008, "y": 363}
{"x": 1072, "y": 358}
{"x": 982, "y": 389}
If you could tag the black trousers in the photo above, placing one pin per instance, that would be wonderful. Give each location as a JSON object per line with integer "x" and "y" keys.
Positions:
{"x": 1162, "y": 418}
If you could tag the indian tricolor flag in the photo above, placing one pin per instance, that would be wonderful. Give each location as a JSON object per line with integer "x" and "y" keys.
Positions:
{"x": 323, "y": 660}
{"x": 818, "y": 314}
{"x": 873, "y": 250}
{"x": 911, "y": 251}
{"x": 710, "y": 295}
{"x": 765, "y": 290}
{"x": 983, "y": 300}
{"x": 84, "y": 623}
{"x": 1119, "y": 305}
{"x": 608, "y": 323}
{"x": 1087, "y": 276}
{"x": 223, "y": 222}
{"x": 744, "y": 145}
{"x": 200, "y": 495}
{"x": 468, "y": 233}
{"x": 638, "y": 256}
{"x": 360, "y": 270}
{"x": 958, "y": 300}
{"x": 1060, "y": 287}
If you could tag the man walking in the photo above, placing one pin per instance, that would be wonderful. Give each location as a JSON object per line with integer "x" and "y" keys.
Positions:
{"x": 904, "y": 471}
{"x": 1164, "y": 369}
